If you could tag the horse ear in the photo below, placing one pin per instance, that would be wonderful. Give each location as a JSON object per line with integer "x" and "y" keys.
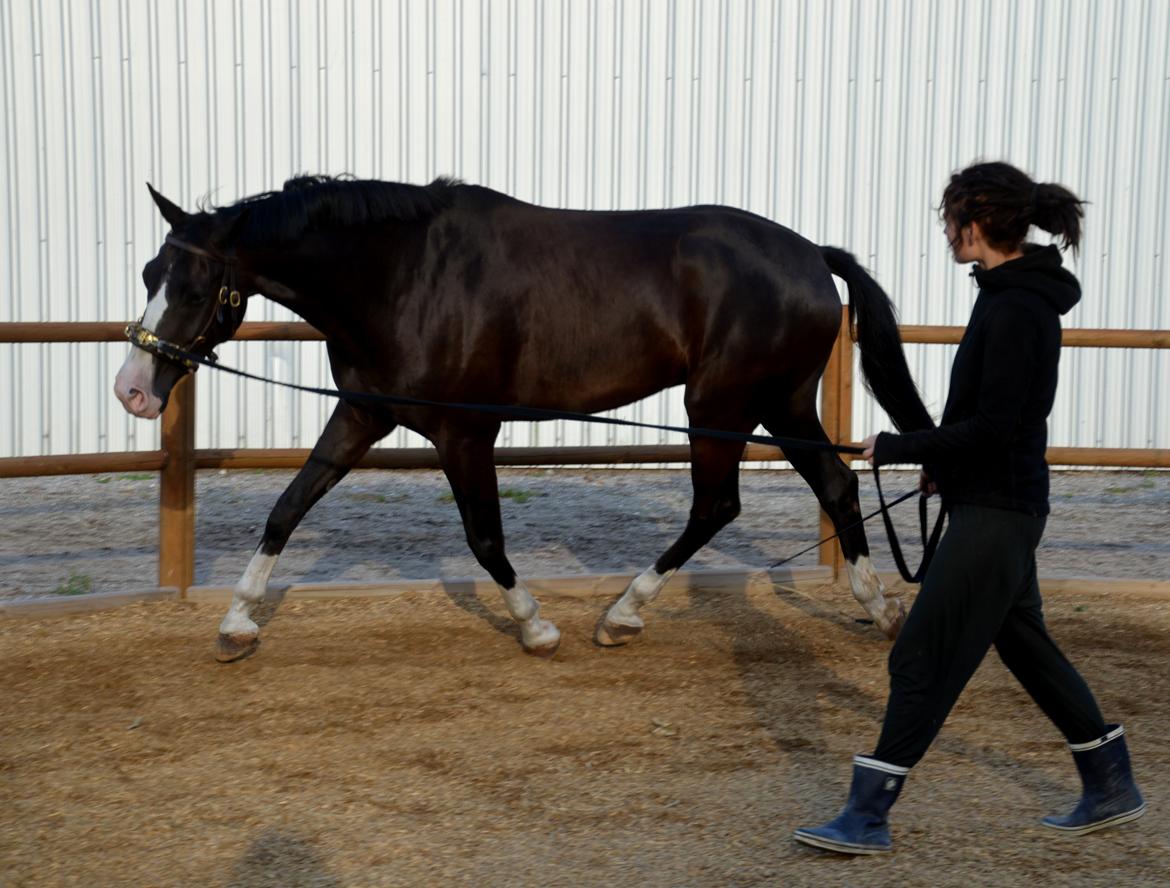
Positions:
{"x": 170, "y": 211}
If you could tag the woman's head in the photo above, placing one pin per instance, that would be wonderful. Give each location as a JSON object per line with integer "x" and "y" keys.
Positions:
{"x": 1004, "y": 203}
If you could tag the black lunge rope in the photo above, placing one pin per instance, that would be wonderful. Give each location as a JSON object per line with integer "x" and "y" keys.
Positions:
{"x": 884, "y": 508}
{"x": 928, "y": 544}
{"x": 170, "y": 351}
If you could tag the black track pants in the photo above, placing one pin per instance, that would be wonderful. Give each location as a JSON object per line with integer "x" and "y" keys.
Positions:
{"x": 981, "y": 589}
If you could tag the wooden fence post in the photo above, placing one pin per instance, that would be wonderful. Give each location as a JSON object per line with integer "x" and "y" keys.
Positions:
{"x": 176, "y": 526}
{"x": 845, "y": 390}
{"x": 837, "y": 418}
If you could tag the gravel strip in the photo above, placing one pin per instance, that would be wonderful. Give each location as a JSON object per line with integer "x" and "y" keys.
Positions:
{"x": 99, "y": 533}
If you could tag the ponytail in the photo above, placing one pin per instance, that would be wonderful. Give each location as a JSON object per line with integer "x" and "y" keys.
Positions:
{"x": 1006, "y": 203}
{"x": 1058, "y": 211}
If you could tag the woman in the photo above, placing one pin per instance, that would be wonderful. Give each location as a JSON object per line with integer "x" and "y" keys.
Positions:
{"x": 987, "y": 460}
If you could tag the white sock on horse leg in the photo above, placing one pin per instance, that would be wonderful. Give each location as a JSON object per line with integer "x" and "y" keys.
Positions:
{"x": 884, "y": 607}
{"x": 643, "y": 589}
{"x": 525, "y": 610}
{"x": 249, "y": 592}
{"x": 521, "y": 605}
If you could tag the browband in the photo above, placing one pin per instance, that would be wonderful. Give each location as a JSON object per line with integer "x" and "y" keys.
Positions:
{"x": 199, "y": 251}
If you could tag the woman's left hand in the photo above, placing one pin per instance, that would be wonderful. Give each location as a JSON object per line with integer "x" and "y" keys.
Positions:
{"x": 867, "y": 444}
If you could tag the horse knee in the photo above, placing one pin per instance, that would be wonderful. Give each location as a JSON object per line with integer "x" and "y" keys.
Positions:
{"x": 843, "y": 491}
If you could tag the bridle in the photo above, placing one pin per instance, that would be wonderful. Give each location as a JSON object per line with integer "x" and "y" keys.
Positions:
{"x": 227, "y": 300}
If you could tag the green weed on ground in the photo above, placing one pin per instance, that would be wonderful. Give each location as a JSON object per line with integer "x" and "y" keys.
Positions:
{"x": 518, "y": 496}
{"x": 360, "y": 497}
{"x": 77, "y": 584}
{"x": 1147, "y": 483}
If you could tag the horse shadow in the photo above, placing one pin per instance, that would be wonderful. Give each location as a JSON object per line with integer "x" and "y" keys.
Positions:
{"x": 265, "y": 610}
{"x": 650, "y": 532}
{"x": 558, "y": 518}
{"x": 463, "y": 594}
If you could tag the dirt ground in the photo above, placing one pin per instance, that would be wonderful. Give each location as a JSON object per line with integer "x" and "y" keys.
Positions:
{"x": 407, "y": 741}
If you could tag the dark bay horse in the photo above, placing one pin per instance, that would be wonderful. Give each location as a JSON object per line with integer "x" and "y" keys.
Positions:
{"x": 452, "y": 292}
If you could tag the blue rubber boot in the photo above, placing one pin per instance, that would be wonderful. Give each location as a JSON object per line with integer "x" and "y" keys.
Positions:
{"x": 861, "y": 828}
{"x": 1110, "y": 795}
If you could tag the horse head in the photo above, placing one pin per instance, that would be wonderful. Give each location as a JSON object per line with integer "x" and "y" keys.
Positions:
{"x": 193, "y": 303}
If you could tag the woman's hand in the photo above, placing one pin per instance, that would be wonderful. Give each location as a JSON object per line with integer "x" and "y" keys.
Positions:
{"x": 867, "y": 445}
{"x": 925, "y": 485}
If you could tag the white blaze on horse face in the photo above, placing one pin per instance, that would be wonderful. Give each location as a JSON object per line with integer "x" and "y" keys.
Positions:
{"x": 249, "y": 592}
{"x": 134, "y": 384}
{"x": 643, "y": 589}
{"x": 885, "y": 610}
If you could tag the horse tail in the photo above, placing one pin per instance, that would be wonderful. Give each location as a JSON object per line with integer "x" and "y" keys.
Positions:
{"x": 883, "y": 362}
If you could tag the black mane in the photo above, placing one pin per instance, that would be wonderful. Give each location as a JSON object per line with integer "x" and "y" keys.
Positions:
{"x": 312, "y": 202}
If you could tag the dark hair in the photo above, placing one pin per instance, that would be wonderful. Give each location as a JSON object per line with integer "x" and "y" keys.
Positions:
{"x": 311, "y": 201}
{"x": 1006, "y": 202}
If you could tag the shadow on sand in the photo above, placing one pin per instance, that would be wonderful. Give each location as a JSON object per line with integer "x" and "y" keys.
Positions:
{"x": 281, "y": 860}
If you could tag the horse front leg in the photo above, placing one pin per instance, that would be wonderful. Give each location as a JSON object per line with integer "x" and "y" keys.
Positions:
{"x": 347, "y": 436}
{"x": 469, "y": 464}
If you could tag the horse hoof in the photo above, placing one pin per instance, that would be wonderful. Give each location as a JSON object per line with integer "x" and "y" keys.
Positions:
{"x": 544, "y": 651}
{"x": 615, "y": 634}
{"x": 229, "y": 648}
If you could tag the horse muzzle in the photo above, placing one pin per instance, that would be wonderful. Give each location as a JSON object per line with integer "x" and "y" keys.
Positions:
{"x": 134, "y": 386}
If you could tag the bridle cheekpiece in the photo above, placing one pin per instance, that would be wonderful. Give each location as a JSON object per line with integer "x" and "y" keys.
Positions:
{"x": 228, "y": 298}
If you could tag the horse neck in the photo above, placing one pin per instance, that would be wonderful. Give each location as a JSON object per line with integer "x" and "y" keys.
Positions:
{"x": 325, "y": 287}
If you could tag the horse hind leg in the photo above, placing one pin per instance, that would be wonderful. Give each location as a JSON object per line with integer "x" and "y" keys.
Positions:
{"x": 835, "y": 486}
{"x": 715, "y": 478}
{"x": 346, "y": 437}
{"x": 470, "y": 468}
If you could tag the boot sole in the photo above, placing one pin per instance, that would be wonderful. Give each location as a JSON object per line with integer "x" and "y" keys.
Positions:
{"x": 1115, "y": 820}
{"x": 839, "y": 847}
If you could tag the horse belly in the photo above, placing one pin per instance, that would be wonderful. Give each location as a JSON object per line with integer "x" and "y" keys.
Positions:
{"x": 592, "y": 370}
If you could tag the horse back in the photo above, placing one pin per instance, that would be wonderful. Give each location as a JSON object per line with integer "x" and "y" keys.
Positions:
{"x": 589, "y": 310}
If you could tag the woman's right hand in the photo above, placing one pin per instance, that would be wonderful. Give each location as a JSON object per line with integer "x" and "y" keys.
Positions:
{"x": 867, "y": 448}
{"x": 925, "y": 485}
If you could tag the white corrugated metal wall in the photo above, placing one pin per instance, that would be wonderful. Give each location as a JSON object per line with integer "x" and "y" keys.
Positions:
{"x": 839, "y": 119}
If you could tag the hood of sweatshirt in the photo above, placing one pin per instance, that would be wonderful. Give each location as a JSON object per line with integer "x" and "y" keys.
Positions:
{"x": 1040, "y": 271}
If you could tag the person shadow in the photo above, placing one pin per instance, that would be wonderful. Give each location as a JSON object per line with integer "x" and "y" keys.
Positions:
{"x": 790, "y": 660}
{"x": 279, "y": 859}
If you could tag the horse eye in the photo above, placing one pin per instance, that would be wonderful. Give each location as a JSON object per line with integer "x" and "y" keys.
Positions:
{"x": 152, "y": 275}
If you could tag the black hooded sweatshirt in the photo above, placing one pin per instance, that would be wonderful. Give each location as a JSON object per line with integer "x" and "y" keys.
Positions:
{"x": 989, "y": 448}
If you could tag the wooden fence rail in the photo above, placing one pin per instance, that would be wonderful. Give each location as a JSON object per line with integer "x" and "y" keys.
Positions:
{"x": 178, "y": 459}
{"x": 299, "y": 331}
